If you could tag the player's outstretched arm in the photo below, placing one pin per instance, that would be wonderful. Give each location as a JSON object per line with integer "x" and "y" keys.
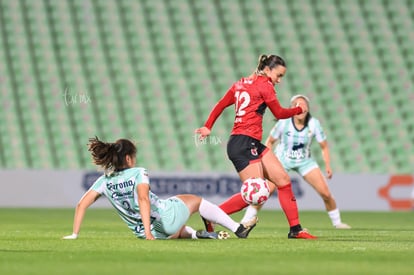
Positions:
{"x": 145, "y": 209}
{"x": 87, "y": 200}
{"x": 224, "y": 102}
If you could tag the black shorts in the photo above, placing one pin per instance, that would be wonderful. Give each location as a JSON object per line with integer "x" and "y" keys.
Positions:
{"x": 243, "y": 150}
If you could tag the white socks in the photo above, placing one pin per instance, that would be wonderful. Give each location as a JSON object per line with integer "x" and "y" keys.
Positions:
{"x": 215, "y": 214}
{"x": 335, "y": 216}
{"x": 249, "y": 214}
{"x": 190, "y": 231}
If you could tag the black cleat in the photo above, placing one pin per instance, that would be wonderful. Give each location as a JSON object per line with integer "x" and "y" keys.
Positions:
{"x": 244, "y": 229}
{"x": 303, "y": 234}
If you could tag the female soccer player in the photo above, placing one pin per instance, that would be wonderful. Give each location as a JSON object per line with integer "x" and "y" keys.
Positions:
{"x": 294, "y": 137}
{"x": 251, "y": 95}
{"x": 128, "y": 189}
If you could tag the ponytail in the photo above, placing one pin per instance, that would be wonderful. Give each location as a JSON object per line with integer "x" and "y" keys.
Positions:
{"x": 271, "y": 61}
{"x": 111, "y": 156}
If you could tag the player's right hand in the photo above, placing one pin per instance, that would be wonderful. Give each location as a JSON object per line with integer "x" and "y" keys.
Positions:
{"x": 203, "y": 131}
{"x": 149, "y": 236}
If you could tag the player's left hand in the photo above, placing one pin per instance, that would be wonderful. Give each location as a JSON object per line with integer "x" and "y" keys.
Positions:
{"x": 329, "y": 173}
{"x": 303, "y": 107}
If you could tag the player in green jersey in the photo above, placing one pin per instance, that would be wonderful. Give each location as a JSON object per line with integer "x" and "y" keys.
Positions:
{"x": 127, "y": 188}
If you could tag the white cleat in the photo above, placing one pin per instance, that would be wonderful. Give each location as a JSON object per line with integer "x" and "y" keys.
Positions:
{"x": 342, "y": 226}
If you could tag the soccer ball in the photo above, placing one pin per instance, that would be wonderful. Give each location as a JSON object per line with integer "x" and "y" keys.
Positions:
{"x": 255, "y": 191}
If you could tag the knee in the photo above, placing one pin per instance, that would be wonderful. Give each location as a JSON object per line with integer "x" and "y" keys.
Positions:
{"x": 326, "y": 196}
{"x": 285, "y": 178}
{"x": 192, "y": 202}
{"x": 279, "y": 179}
{"x": 282, "y": 180}
{"x": 196, "y": 203}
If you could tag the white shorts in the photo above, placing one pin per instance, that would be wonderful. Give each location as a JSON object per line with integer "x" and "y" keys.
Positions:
{"x": 302, "y": 167}
{"x": 174, "y": 216}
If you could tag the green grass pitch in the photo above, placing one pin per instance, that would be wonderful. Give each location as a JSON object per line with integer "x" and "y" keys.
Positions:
{"x": 379, "y": 243}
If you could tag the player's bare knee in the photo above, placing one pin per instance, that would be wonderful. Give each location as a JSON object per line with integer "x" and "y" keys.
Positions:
{"x": 279, "y": 179}
{"x": 283, "y": 180}
{"x": 326, "y": 197}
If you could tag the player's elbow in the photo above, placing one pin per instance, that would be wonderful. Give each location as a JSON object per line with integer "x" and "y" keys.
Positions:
{"x": 82, "y": 205}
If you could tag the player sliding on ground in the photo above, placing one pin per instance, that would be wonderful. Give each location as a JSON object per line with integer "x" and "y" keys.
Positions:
{"x": 128, "y": 189}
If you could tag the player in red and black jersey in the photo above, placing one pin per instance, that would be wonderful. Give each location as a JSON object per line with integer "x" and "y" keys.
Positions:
{"x": 251, "y": 158}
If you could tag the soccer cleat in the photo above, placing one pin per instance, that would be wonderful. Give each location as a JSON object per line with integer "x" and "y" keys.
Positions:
{"x": 220, "y": 235}
{"x": 208, "y": 225}
{"x": 303, "y": 234}
{"x": 342, "y": 226}
{"x": 245, "y": 228}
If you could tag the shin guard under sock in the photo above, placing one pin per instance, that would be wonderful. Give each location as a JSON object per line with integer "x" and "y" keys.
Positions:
{"x": 287, "y": 201}
{"x": 234, "y": 204}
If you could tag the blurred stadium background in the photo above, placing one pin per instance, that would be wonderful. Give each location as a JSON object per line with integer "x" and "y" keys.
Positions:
{"x": 151, "y": 70}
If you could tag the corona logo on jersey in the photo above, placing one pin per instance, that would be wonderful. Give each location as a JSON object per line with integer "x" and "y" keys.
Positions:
{"x": 397, "y": 181}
